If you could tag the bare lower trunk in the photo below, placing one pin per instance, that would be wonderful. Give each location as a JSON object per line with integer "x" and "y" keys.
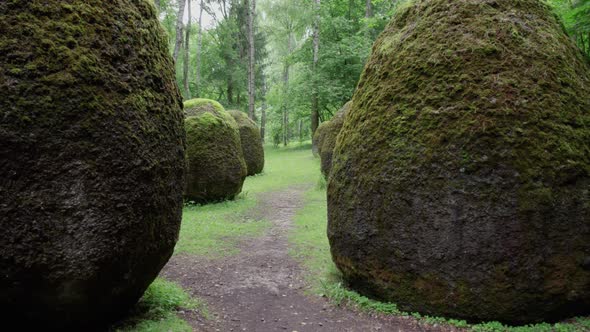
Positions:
{"x": 230, "y": 92}
{"x": 263, "y": 111}
{"x": 178, "y": 44}
{"x": 368, "y": 9}
{"x": 199, "y": 46}
{"x": 187, "y": 44}
{"x": 316, "y": 50}
{"x": 285, "y": 94}
{"x": 263, "y": 120}
{"x": 251, "y": 8}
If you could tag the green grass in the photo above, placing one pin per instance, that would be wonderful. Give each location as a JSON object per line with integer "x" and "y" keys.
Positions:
{"x": 156, "y": 311}
{"x": 215, "y": 230}
{"x": 284, "y": 167}
{"x": 311, "y": 248}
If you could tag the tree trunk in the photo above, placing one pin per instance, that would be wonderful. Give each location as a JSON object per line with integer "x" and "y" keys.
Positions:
{"x": 368, "y": 9}
{"x": 251, "y": 8}
{"x": 187, "y": 44}
{"x": 263, "y": 111}
{"x": 178, "y": 44}
{"x": 286, "y": 93}
{"x": 316, "y": 50}
{"x": 199, "y": 46}
{"x": 158, "y": 7}
{"x": 230, "y": 92}
{"x": 263, "y": 120}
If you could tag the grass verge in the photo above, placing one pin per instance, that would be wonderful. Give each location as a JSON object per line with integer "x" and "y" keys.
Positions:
{"x": 214, "y": 230}
{"x": 311, "y": 248}
{"x": 156, "y": 311}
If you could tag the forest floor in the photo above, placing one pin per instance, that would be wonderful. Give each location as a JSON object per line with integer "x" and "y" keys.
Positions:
{"x": 263, "y": 288}
{"x": 257, "y": 278}
{"x": 262, "y": 263}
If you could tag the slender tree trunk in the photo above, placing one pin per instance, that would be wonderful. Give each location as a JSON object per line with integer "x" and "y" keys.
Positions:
{"x": 285, "y": 110}
{"x": 187, "y": 59}
{"x": 199, "y": 46}
{"x": 230, "y": 91}
{"x": 251, "y": 8}
{"x": 286, "y": 93}
{"x": 315, "y": 114}
{"x": 300, "y": 130}
{"x": 368, "y": 9}
{"x": 178, "y": 44}
{"x": 158, "y": 7}
{"x": 263, "y": 111}
{"x": 263, "y": 120}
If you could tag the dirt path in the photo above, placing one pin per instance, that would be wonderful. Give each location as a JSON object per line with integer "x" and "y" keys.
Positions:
{"x": 262, "y": 288}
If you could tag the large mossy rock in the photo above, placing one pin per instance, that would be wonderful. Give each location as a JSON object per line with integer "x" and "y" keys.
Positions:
{"x": 460, "y": 181}
{"x": 216, "y": 165}
{"x": 327, "y": 138}
{"x": 91, "y": 159}
{"x": 251, "y": 142}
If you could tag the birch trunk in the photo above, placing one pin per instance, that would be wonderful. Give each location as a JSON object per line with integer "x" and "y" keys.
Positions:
{"x": 178, "y": 44}
{"x": 185, "y": 72}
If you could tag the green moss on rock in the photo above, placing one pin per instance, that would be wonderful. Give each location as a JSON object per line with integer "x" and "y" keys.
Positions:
{"x": 196, "y": 106}
{"x": 216, "y": 165}
{"x": 460, "y": 180}
{"x": 326, "y": 140}
{"x": 251, "y": 142}
{"x": 318, "y": 137}
{"x": 91, "y": 157}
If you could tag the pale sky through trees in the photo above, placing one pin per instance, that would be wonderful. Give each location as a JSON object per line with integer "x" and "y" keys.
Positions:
{"x": 209, "y": 21}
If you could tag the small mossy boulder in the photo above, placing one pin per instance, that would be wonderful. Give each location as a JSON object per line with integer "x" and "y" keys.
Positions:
{"x": 251, "y": 142}
{"x": 91, "y": 160}
{"x": 216, "y": 165}
{"x": 326, "y": 141}
{"x": 460, "y": 180}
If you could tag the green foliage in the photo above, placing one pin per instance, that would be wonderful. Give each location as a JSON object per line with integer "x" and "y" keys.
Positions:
{"x": 576, "y": 18}
{"x": 156, "y": 310}
{"x": 223, "y": 54}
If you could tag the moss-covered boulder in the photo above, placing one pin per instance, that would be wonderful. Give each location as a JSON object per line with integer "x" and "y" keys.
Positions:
{"x": 327, "y": 138}
{"x": 460, "y": 181}
{"x": 216, "y": 165}
{"x": 251, "y": 142}
{"x": 198, "y": 105}
{"x": 318, "y": 137}
{"x": 91, "y": 159}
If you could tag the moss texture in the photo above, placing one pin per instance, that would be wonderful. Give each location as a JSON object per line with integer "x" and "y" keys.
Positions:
{"x": 91, "y": 157}
{"x": 460, "y": 180}
{"x": 216, "y": 165}
{"x": 196, "y": 106}
{"x": 318, "y": 137}
{"x": 326, "y": 141}
{"x": 251, "y": 142}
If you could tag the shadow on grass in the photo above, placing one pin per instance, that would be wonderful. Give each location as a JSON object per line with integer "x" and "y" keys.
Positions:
{"x": 157, "y": 310}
